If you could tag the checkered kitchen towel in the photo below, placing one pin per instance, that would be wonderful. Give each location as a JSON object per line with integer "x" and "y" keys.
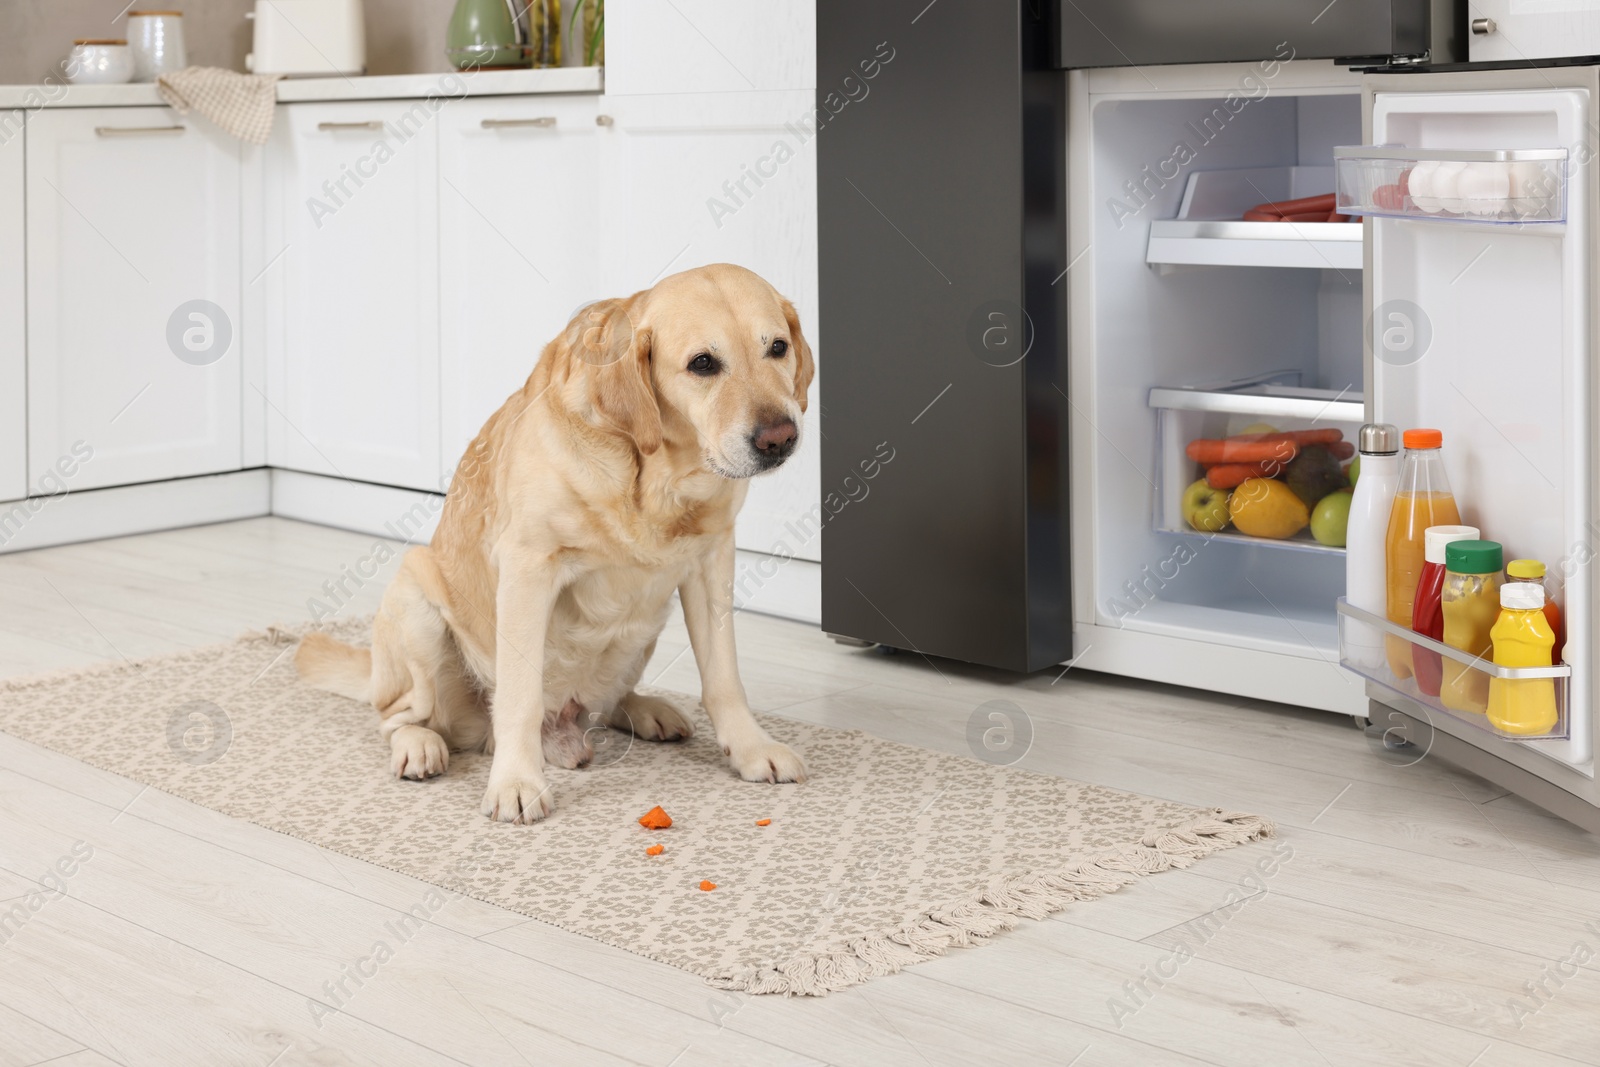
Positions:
{"x": 241, "y": 104}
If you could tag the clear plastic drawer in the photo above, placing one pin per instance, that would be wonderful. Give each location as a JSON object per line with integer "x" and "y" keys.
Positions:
{"x": 1267, "y": 403}
{"x": 1498, "y": 186}
{"x": 1533, "y": 698}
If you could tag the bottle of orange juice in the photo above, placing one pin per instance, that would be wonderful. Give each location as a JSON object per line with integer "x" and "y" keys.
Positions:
{"x": 1423, "y": 500}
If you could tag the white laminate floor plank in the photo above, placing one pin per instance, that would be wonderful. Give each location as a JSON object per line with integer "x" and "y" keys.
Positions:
{"x": 1417, "y": 902}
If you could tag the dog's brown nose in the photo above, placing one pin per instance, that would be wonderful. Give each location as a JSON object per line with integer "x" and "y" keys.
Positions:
{"x": 775, "y": 440}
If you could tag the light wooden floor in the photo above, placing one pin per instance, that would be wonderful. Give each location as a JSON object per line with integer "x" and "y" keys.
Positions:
{"x": 1416, "y": 905}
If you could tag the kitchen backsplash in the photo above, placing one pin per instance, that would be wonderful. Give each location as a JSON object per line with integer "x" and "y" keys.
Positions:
{"x": 403, "y": 36}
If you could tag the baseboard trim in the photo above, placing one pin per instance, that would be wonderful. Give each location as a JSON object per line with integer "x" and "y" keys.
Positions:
{"x": 118, "y": 511}
{"x": 406, "y": 515}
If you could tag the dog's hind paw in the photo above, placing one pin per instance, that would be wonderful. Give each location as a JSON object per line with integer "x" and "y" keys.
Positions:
{"x": 417, "y": 752}
{"x": 651, "y": 718}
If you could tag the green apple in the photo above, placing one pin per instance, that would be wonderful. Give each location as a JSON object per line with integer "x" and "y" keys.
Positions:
{"x": 1205, "y": 508}
{"x": 1259, "y": 427}
{"x": 1354, "y": 470}
{"x": 1331, "y": 517}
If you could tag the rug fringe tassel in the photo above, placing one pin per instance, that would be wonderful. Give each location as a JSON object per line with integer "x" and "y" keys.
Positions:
{"x": 974, "y": 920}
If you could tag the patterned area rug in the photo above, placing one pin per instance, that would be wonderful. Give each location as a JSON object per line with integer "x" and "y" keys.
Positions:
{"x": 888, "y": 855}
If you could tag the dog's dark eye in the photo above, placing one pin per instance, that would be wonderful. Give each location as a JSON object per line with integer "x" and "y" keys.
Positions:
{"x": 704, "y": 365}
{"x": 779, "y": 347}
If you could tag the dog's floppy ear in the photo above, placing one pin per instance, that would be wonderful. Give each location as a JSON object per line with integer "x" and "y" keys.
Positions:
{"x": 613, "y": 350}
{"x": 805, "y": 364}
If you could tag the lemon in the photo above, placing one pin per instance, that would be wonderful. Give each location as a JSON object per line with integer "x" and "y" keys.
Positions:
{"x": 1262, "y": 507}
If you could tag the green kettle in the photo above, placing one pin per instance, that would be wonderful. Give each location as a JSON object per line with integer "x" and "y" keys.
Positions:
{"x": 485, "y": 33}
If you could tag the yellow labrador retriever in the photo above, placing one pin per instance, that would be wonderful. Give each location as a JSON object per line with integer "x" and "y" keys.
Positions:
{"x": 611, "y": 479}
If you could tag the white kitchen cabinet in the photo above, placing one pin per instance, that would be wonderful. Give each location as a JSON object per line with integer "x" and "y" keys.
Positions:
{"x": 705, "y": 46}
{"x": 133, "y": 296}
{"x": 352, "y": 297}
{"x": 13, "y": 333}
{"x": 519, "y": 207}
{"x": 749, "y": 198}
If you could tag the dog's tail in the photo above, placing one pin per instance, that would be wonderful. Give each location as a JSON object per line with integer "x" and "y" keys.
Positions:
{"x": 335, "y": 666}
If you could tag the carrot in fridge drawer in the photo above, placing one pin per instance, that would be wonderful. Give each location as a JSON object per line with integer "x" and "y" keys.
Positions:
{"x": 1232, "y": 451}
{"x": 1230, "y": 475}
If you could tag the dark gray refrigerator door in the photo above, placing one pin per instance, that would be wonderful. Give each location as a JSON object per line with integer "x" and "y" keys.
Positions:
{"x": 1127, "y": 33}
{"x": 942, "y": 204}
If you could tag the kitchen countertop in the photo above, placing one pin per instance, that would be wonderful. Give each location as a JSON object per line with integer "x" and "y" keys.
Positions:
{"x": 299, "y": 90}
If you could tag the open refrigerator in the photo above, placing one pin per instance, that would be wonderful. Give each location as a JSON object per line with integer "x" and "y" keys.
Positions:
{"x": 1471, "y": 314}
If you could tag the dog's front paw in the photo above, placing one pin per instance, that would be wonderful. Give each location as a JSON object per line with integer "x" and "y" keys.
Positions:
{"x": 417, "y": 752}
{"x": 767, "y": 761}
{"x": 518, "y": 799}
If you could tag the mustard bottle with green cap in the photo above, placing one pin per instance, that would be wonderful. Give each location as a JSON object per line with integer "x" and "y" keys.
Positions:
{"x": 1531, "y": 570}
{"x": 1471, "y": 603}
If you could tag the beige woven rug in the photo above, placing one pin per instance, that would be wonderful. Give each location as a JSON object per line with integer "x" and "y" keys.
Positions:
{"x": 888, "y": 855}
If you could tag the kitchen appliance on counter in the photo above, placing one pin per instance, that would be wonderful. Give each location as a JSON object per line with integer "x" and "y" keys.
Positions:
{"x": 1186, "y": 322}
{"x": 308, "y": 38}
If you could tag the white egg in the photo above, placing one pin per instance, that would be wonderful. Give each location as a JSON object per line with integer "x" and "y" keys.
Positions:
{"x": 1534, "y": 190}
{"x": 1447, "y": 186}
{"x": 1483, "y": 188}
{"x": 1420, "y": 186}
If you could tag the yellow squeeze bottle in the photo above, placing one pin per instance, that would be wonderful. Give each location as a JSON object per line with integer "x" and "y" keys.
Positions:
{"x": 1522, "y": 638}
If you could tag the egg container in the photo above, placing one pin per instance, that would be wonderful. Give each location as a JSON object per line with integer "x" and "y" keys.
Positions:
{"x": 1510, "y": 186}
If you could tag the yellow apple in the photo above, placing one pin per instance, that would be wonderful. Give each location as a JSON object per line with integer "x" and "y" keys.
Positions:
{"x": 1205, "y": 508}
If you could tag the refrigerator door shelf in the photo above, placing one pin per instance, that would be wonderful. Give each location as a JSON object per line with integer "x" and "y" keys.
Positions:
{"x": 1504, "y": 186}
{"x": 1189, "y": 414}
{"x": 1361, "y": 631}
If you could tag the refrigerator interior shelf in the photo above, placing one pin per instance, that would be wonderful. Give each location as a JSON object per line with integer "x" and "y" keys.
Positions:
{"x": 1366, "y": 641}
{"x": 1232, "y": 243}
{"x": 1505, "y": 186}
{"x": 1209, "y": 230}
{"x": 1276, "y": 399}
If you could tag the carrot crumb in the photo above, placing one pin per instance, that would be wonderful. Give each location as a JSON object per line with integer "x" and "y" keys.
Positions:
{"x": 655, "y": 819}
{"x": 655, "y": 850}
{"x": 763, "y": 822}
{"x": 706, "y": 887}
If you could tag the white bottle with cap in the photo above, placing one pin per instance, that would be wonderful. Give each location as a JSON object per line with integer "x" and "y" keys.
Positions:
{"x": 1365, "y": 571}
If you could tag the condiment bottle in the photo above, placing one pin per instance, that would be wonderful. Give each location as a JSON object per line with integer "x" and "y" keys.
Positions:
{"x": 1423, "y": 499}
{"x": 1531, "y": 570}
{"x": 1427, "y": 610}
{"x": 1471, "y": 603}
{"x": 1522, "y": 637}
{"x": 1364, "y": 573}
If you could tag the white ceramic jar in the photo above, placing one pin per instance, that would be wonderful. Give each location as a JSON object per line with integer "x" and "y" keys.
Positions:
{"x": 95, "y": 61}
{"x": 156, "y": 40}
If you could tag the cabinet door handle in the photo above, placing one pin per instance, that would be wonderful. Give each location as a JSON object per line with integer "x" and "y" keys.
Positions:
{"x": 137, "y": 131}
{"x": 1483, "y": 27}
{"x": 373, "y": 125}
{"x": 509, "y": 124}
{"x": 604, "y": 120}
